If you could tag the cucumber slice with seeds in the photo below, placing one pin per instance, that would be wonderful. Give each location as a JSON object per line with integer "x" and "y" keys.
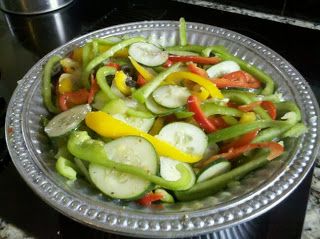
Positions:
{"x": 131, "y": 150}
{"x": 171, "y": 96}
{"x": 148, "y": 54}
{"x": 66, "y": 121}
{"x": 214, "y": 169}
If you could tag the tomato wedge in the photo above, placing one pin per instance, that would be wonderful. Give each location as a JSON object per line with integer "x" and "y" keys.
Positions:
{"x": 275, "y": 150}
{"x": 192, "y": 67}
{"x": 199, "y": 116}
{"x": 195, "y": 59}
{"x": 240, "y": 79}
{"x": 149, "y": 198}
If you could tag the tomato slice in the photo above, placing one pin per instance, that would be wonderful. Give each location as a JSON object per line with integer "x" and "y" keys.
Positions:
{"x": 195, "y": 59}
{"x": 70, "y": 99}
{"x": 199, "y": 116}
{"x": 149, "y": 198}
{"x": 240, "y": 79}
{"x": 192, "y": 67}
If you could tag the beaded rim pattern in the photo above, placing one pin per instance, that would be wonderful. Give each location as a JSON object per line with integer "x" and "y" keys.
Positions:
{"x": 179, "y": 224}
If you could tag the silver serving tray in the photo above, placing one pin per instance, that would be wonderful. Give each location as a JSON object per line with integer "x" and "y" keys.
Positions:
{"x": 239, "y": 202}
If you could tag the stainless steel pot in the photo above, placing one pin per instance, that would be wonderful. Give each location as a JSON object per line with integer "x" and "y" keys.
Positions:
{"x": 29, "y": 7}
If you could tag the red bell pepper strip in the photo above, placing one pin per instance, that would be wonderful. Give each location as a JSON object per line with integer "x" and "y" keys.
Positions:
{"x": 275, "y": 150}
{"x": 239, "y": 79}
{"x": 94, "y": 88}
{"x": 67, "y": 100}
{"x": 270, "y": 108}
{"x": 199, "y": 116}
{"x": 141, "y": 81}
{"x": 149, "y": 198}
{"x": 168, "y": 63}
{"x": 195, "y": 59}
{"x": 197, "y": 70}
{"x": 267, "y": 105}
{"x": 115, "y": 65}
{"x": 243, "y": 140}
{"x": 218, "y": 122}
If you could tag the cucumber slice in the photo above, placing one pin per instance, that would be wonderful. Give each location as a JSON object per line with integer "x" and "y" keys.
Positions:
{"x": 148, "y": 54}
{"x": 186, "y": 137}
{"x": 222, "y": 68}
{"x": 67, "y": 120}
{"x": 216, "y": 168}
{"x": 171, "y": 96}
{"x": 131, "y": 150}
{"x": 155, "y": 108}
{"x": 143, "y": 124}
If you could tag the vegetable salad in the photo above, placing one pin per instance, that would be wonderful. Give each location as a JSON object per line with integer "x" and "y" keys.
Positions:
{"x": 150, "y": 124}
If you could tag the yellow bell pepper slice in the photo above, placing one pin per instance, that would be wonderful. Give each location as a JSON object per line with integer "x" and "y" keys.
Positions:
{"x": 247, "y": 117}
{"x": 204, "y": 82}
{"x": 200, "y": 92}
{"x": 65, "y": 83}
{"x": 120, "y": 80}
{"x": 107, "y": 126}
{"x": 144, "y": 72}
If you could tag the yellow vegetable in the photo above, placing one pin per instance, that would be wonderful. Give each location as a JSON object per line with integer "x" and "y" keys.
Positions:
{"x": 204, "y": 82}
{"x": 65, "y": 83}
{"x": 200, "y": 92}
{"x": 107, "y": 126}
{"x": 144, "y": 72}
{"x": 248, "y": 117}
{"x": 120, "y": 80}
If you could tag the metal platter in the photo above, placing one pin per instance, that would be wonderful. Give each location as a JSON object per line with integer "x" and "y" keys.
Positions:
{"x": 240, "y": 201}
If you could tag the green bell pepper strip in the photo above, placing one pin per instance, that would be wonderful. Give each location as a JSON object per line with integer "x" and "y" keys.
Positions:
{"x": 182, "y": 32}
{"x": 295, "y": 131}
{"x": 246, "y": 98}
{"x": 104, "y": 56}
{"x": 46, "y": 84}
{"x": 214, "y": 109}
{"x": 240, "y": 129}
{"x": 86, "y": 54}
{"x": 95, "y": 48}
{"x": 223, "y": 53}
{"x": 191, "y": 48}
{"x": 145, "y": 91}
{"x": 214, "y": 185}
{"x": 66, "y": 168}
{"x": 103, "y": 84}
{"x": 82, "y": 146}
{"x": 278, "y": 130}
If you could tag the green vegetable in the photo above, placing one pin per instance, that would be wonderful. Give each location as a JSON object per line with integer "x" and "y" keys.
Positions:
{"x": 46, "y": 83}
{"x": 82, "y": 146}
{"x": 66, "y": 168}
{"x": 259, "y": 74}
{"x": 104, "y": 56}
{"x": 212, "y": 186}
{"x": 183, "y": 32}
{"x": 191, "y": 48}
{"x": 103, "y": 84}
{"x": 210, "y": 108}
{"x": 145, "y": 91}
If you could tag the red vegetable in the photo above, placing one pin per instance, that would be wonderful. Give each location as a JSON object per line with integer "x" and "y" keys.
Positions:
{"x": 243, "y": 140}
{"x": 197, "y": 70}
{"x": 270, "y": 107}
{"x": 149, "y": 198}
{"x": 67, "y": 100}
{"x": 93, "y": 89}
{"x": 249, "y": 107}
{"x": 275, "y": 150}
{"x": 195, "y": 59}
{"x": 141, "y": 81}
{"x": 239, "y": 79}
{"x": 199, "y": 116}
{"x": 115, "y": 65}
{"x": 168, "y": 63}
{"x": 218, "y": 122}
